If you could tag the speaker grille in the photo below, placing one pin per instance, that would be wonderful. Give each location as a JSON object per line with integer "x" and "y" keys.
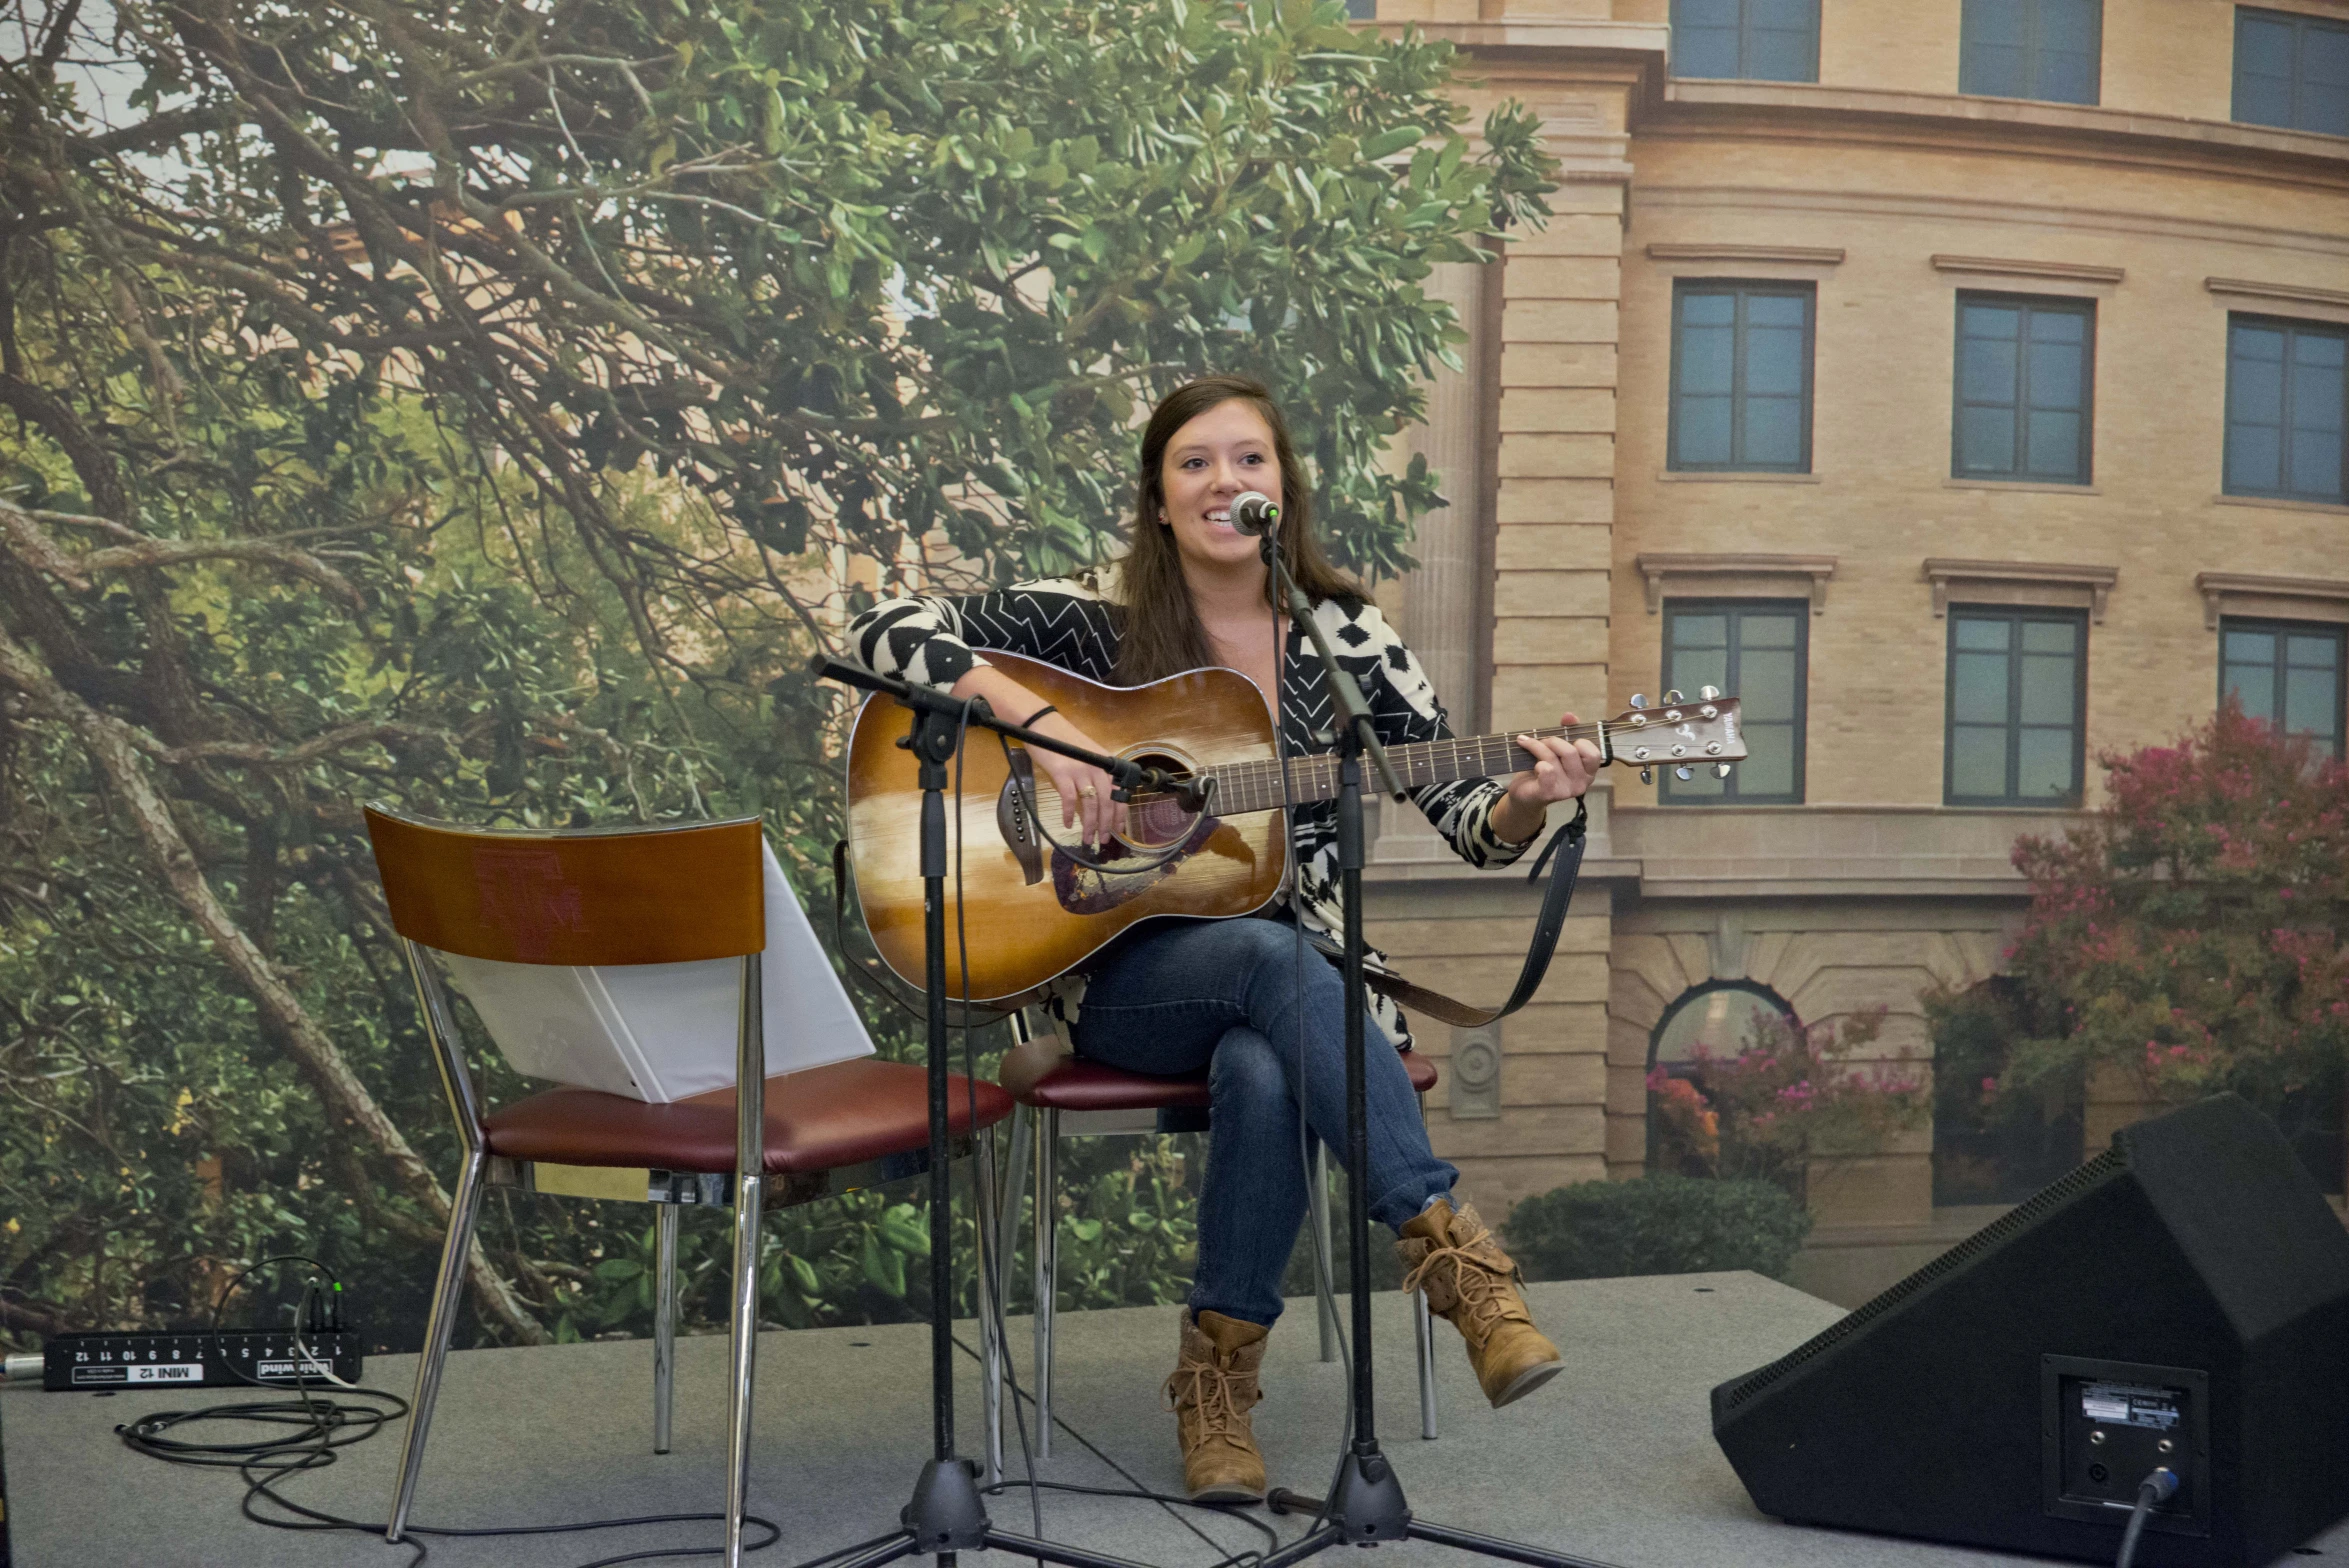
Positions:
{"x": 2021, "y": 1217}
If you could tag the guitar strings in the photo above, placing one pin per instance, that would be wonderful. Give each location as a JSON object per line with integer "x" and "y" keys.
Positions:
{"x": 1254, "y": 785}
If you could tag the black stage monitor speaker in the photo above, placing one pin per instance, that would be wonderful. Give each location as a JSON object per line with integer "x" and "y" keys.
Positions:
{"x": 2181, "y": 1300}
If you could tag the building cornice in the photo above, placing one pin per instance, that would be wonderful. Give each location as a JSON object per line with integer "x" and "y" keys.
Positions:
{"x": 2097, "y": 580}
{"x": 1807, "y": 111}
{"x": 2292, "y": 296}
{"x": 1795, "y": 255}
{"x": 2217, "y": 587}
{"x": 2015, "y": 267}
{"x": 1660, "y": 854}
{"x": 1713, "y": 567}
{"x": 1997, "y": 214}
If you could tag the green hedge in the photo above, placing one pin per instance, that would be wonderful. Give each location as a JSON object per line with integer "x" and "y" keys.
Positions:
{"x": 1659, "y": 1224}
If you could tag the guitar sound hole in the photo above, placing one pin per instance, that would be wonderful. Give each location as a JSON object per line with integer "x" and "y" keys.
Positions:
{"x": 1154, "y": 824}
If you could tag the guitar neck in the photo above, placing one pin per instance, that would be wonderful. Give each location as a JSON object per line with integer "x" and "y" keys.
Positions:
{"x": 1242, "y": 787}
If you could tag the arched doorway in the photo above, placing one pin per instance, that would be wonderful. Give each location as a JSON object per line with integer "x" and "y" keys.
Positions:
{"x": 1705, "y": 1024}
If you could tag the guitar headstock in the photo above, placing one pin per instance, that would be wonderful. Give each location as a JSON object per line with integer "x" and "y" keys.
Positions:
{"x": 1678, "y": 734}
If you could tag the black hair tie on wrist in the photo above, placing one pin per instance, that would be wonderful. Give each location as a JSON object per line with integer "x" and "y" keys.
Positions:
{"x": 1030, "y": 721}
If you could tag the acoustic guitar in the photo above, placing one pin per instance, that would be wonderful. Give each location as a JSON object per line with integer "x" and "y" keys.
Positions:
{"x": 1036, "y": 908}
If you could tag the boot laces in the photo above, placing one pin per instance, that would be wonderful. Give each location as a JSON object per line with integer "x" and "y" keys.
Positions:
{"x": 1486, "y": 1295}
{"x": 1213, "y": 1398}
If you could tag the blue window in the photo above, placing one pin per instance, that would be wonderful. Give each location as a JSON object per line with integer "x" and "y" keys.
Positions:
{"x": 1741, "y": 377}
{"x": 2292, "y": 71}
{"x": 2025, "y": 370}
{"x": 2018, "y": 681}
{"x": 1755, "y": 650}
{"x": 2045, "y": 49}
{"x": 2287, "y": 390}
{"x": 2287, "y": 673}
{"x": 1758, "y": 40}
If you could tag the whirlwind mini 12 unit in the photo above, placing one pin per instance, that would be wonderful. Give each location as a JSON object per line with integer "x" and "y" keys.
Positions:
{"x": 232, "y": 1357}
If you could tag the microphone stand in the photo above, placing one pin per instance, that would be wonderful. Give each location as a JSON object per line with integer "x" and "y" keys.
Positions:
{"x": 1365, "y": 1506}
{"x": 947, "y": 1514}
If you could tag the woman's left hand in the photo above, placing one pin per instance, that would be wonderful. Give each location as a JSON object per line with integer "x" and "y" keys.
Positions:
{"x": 1562, "y": 769}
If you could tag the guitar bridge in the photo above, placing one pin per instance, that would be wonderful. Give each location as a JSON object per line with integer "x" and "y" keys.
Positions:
{"x": 1015, "y": 816}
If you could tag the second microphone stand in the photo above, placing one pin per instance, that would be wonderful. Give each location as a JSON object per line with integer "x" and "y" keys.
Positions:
{"x": 1365, "y": 1506}
{"x": 947, "y": 1514}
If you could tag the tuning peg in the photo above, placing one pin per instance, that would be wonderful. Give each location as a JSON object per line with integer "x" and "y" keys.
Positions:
{"x": 1647, "y": 775}
{"x": 1672, "y": 696}
{"x": 1684, "y": 771}
{"x": 1707, "y": 693}
{"x": 1638, "y": 701}
{"x": 1720, "y": 770}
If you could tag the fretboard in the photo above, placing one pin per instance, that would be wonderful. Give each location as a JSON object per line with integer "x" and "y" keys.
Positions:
{"x": 1242, "y": 787}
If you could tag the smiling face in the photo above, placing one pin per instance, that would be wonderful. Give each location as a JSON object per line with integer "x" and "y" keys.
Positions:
{"x": 1212, "y": 459}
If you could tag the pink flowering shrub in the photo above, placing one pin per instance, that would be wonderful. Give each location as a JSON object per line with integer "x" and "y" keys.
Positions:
{"x": 1790, "y": 1093}
{"x": 2190, "y": 931}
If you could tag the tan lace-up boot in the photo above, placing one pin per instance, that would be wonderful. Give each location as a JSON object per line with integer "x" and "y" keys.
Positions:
{"x": 1212, "y": 1390}
{"x": 1470, "y": 1280}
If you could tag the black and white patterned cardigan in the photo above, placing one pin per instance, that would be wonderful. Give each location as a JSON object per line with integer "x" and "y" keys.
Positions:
{"x": 1069, "y": 622}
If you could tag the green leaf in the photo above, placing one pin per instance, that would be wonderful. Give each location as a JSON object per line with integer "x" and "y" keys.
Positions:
{"x": 771, "y": 117}
{"x": 903, "y": 1230}
{"x": 884, "y": 1266}
{"x": 1388, "y": 142}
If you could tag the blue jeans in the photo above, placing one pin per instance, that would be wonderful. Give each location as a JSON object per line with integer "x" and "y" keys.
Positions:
{"x": 1172, "y": 996}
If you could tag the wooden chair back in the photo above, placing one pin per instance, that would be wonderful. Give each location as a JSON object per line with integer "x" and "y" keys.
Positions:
{"x": 576, "y": 897}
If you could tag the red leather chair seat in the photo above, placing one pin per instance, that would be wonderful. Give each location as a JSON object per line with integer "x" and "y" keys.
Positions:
{"x": 817, "y": 1120}
{"x": 1075, "y": 1084}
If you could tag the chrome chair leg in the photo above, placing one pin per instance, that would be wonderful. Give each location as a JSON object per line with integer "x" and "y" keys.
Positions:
{"x": 1047, "y": 1215}
{"x": 1317, "y": 1189}
{"x": 1016, "y": 1161}
{"x": 664, "y": 1321}
{"x": 447, "y": 1294}
{"x": 1423, "y": 1331}
{"x": 742, "y": 1349}
{"x": 988, "y": 1297}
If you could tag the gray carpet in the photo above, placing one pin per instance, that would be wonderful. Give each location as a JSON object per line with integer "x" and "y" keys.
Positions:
{"x": 1614, "y": 1460}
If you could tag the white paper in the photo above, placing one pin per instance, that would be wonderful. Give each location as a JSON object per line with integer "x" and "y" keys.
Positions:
{"x": 661, "y": 1032}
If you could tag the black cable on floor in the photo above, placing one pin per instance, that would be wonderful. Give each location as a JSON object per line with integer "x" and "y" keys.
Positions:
{"x": 323, "y": 1424}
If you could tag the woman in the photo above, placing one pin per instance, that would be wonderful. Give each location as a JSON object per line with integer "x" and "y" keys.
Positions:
{"x": 1172, "y": 996}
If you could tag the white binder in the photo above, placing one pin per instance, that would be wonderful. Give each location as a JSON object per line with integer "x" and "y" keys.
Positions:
{"x": 661, "y": 1032}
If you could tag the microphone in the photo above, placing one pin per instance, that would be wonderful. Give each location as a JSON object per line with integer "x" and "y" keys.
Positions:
{"x": 1256, "y": 514}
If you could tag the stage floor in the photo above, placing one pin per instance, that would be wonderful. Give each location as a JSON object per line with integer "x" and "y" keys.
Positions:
{"x": 1614, "y": 1460}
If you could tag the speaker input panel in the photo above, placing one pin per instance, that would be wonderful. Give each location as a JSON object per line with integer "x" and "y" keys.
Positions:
{"x": 2108, "y": 1425}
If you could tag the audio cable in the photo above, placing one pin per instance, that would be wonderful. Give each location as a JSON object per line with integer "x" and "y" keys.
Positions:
{"x": 2152, "y": 1492}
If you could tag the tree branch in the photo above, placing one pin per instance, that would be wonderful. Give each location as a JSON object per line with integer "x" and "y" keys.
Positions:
{"x": 36, "y": 549}
{"x": 114, "y": 747}
{"x": 311, "y": 750}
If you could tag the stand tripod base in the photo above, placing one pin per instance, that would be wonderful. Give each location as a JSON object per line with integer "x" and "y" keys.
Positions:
{"x": 947, "y": 1516}
{"x": 1366, "y": 1508}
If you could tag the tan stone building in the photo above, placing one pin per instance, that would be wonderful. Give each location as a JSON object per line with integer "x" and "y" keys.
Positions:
{"x": 1963, "y": 379}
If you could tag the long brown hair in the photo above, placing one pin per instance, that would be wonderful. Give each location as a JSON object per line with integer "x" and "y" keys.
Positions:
{"x": 1162, "y": 635}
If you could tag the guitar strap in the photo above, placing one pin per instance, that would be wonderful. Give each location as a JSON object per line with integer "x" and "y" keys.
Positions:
{"x": 1546, "y": 927}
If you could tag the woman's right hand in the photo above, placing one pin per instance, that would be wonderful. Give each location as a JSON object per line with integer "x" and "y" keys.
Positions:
{"x": 1083, "y": 788}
